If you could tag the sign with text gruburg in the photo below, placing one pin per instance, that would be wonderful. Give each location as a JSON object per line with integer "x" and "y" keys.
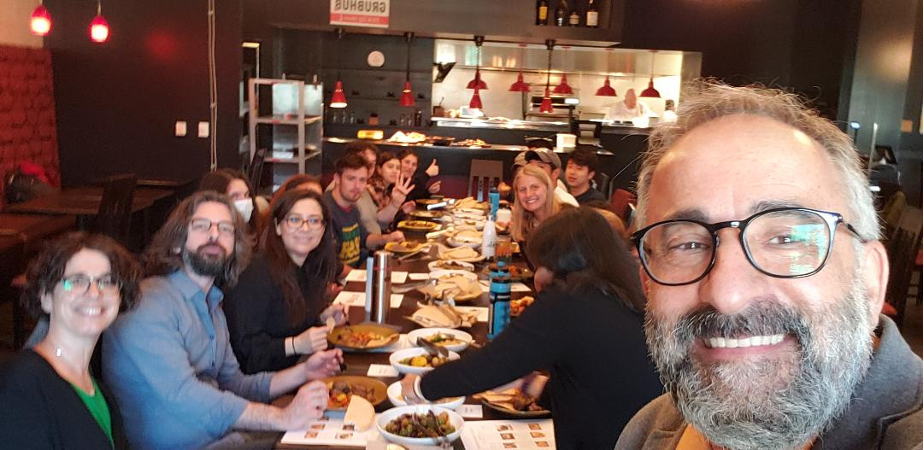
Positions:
{"x": 360, "y": 13}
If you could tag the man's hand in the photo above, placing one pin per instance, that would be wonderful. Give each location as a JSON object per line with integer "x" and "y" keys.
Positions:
{"x": 401, "y": 190}
{"x": 323, "y": 364}
{"x": 338, "y": 312}
{"x": 307, "y": 406}
{"x": 311, "y": 340}
{"x": 435, "y": 187}
{"x": 395, "y": 236}
{"x": 433, "y": 170}
{"x": 407, "y": 389}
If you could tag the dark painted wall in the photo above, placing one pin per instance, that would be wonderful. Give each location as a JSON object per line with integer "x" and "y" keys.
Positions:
{"x": 117, "y": 102}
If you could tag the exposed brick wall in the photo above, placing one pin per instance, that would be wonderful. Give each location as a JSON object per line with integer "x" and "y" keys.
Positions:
{"x": 28, "y": 131}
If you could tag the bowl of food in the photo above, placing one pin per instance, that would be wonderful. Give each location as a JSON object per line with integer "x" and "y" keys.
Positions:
{"x": 453, "y": 340}
{"x": 403, "y": 247}
{"x": 364, "y": 336}
{"x": 397, "y": 399}
{"x": 419, "y": 226}
{"x": 343, "y": 387}
{"x": 420, "y": 425}
{"x": 426, "y": 215}
{"x": 417, "y": 360}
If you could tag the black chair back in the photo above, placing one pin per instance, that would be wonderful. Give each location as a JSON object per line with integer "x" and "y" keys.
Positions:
{"x": 255, "y": 171}
{"x": 115, "y": 209}
{"x": 602, "y": 181}
{"x": 903, "y": 248}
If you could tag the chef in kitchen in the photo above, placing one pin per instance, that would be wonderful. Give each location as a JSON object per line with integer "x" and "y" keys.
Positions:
{"x": 629, "y": 108}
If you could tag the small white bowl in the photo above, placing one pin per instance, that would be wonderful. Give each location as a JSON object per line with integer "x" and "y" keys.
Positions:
{"x": 384, "y": 418}
{"x": 411, "y": 352}
{"x": 394, "y": 394}
{"x": 422, "y": 333}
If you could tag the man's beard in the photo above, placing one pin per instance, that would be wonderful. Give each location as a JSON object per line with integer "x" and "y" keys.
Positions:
{"x": 206, "y": 264}
{"x": 778, "y": 403}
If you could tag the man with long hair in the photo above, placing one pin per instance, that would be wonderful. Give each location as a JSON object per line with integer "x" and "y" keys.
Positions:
{"x": 765, "y": 280}
{"x": 170, "y": 362}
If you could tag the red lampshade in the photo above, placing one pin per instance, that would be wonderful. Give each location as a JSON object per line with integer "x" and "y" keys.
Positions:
{"x": 520, "y": 85}
{"x": 338, "y": 100}
{"x": 477, "y": 82}
{"x": 476, "y": 101}
{"x": 650, "y": 92}
{"x": 99, "y": 29}
{"x": 606, "y": 90}
{"x": 546, "y": 105}
{"x": 407, "y": 97}
{"x": 41, "y": 21}
{"x": 563, "y": 87}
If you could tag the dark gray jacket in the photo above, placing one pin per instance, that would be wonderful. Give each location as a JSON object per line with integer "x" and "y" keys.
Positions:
{"x": 885, "y": 412}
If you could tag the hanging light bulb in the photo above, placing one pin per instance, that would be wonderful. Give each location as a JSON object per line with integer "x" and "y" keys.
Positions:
{"x": 338, "y": 99}
{"x": 476, "y": 100}
{"x": 546, "y": 105}
{"x": 563, "y": 87}
{"x": 520, "y": 85}
{"x": 407, "y": 96}
{"x": 606, "y": 90}
{"x": 41, "y": 21}
{"x": 99, "y": 28}
{"x": 477, "y": 82}
{"x": 651, "y": 92}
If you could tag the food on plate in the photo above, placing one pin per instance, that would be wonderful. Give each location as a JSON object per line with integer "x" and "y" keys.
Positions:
{"x": 511, "y": 399}
{"x": 360, "y": 413}
{"x": 467, "y": 237}
{"x": 443, "y": 339}
{"x": 342, "y": 391}
{"x": 461, "y": 253}
{"x": 421, "y": 425}
{"x": 417, "y": 225}
{"x": 470, "y": 203}
{"x": 426, "y": 214}
{"x": 471, "y": 143}
{"x": 450, "y": 265}
{"x": 424, "y": 361}
{"x": 435, "y": 316}
{"x": 362, "y": 339}
{"x": 403, "y": 246}
{"x": 412, "y": 137}
{"x": 517, "y": 306}
{"x": 460, "y": 286}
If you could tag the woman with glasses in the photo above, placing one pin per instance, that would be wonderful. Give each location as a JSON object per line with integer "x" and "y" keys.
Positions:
{"x": 585, "y": 328}
{"x": 48, "y": 396}
{"x": 278, "y": 309}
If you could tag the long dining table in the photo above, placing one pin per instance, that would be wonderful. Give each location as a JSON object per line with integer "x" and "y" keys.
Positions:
{"x": 358, "y": 363}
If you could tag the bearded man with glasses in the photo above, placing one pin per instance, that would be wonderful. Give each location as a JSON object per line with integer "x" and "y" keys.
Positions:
{"x": 764, "y": 275}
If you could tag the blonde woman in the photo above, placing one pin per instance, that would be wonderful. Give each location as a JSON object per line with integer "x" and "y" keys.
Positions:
{"x": 533, "y": 203}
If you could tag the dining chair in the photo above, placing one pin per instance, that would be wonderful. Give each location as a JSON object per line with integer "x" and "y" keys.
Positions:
{"x": 483, "y": 174}
{"x": 619, "y": 203}
{"x": 602, "y": 181}
{"x": 255, "y": 171}
{"x": 902, "y": 247}
{"x": 115, "y": 209}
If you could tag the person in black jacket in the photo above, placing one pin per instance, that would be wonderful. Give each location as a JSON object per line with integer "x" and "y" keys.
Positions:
{"x": 277, "y": 309}
{"x": 424, "y": 186}
{"x": 585, "y": 328}
{"x": 48, "y": 396}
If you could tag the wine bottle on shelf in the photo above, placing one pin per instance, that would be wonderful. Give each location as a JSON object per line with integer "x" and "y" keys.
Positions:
{"x": 542, "y": 12}
{"x": 561, "y": 13}
{"x": 574, "y": 19}
{"x": 593, "y": 16}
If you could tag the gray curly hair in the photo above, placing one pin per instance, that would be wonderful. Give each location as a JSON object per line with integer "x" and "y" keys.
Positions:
{"x": 707, "y": 100}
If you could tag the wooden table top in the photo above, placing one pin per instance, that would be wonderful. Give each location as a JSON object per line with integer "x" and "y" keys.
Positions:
{"x": 85, "y": 201}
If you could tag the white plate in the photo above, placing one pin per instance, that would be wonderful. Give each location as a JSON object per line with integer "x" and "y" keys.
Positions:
{"x": 410, "y": 352}
{"x": 437, "y": 274}
{"x": 469, "y": 216}
{"x": 434, "y": 266}
{"x": 394, "y": 394}
{"x": 454, "y": 418}
{"x": 422, "y": 333}
{"x": 472, "y": 211}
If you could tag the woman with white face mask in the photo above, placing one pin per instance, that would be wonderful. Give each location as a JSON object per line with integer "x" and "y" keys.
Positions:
{"x": 234, "y": 184}
{"x": 279, "y": 307}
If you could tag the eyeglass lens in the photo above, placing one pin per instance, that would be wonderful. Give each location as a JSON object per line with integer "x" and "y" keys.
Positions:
{"x": 204, "y": 225}
{"x": 80, "y": 283}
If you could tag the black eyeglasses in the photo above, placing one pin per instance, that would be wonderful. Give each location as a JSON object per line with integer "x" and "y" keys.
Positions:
{"x": 79, "y": 284}
{"x": 779, "y": 242}
{"x": 203, "y": 226}
{"x": 297, "y": 222}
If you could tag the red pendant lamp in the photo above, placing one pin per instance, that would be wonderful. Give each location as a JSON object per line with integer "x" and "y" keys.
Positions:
{"x": 546, "y": 105}
{"x": 99, "y": 28}
{"x": 40, "y": 24}
{"x": 563, "y": 86}
{"x": 651, "y": 92}
{"x": 477, "y": 82}
{"x": 338, "y": 99}
{"x": 606, "y": 90}
{"x": 476, "y": 100}
{"x": 520, "y": 85}
{"x": 407, "y": 96}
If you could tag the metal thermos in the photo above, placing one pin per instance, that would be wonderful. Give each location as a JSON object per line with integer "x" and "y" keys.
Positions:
{"x": 378, "y": 286}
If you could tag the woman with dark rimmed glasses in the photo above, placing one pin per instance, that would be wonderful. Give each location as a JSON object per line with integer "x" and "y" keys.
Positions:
{"x": 48, "y": 396}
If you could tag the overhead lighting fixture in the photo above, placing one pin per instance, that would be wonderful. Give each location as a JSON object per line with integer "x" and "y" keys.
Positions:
{"x": 338, "y": 99}
{"x": 520, "y": 85}
{"x": 407, "y": 96}
{"x": 477, "y": 82}
{"x": 651, "y": 92}
{"x": 606, "y": 90}
{"x": 546, "y": 105}
{"x": 99, "y": 28}
{"x": 476, "y": 101}
{"x": 563, "y": 86}
{"x": 40, "y": 24}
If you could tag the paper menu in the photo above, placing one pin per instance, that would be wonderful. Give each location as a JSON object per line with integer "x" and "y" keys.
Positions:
{"x": 330, "y": 431}
{"x": 359, "y": 299}
{"x": 359, "y": 275}
{"x": 509, "y": 434}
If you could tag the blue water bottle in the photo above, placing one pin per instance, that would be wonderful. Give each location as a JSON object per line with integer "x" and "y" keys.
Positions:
{"x": 494, "y": 198}
{"x": 499, "y": 295}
